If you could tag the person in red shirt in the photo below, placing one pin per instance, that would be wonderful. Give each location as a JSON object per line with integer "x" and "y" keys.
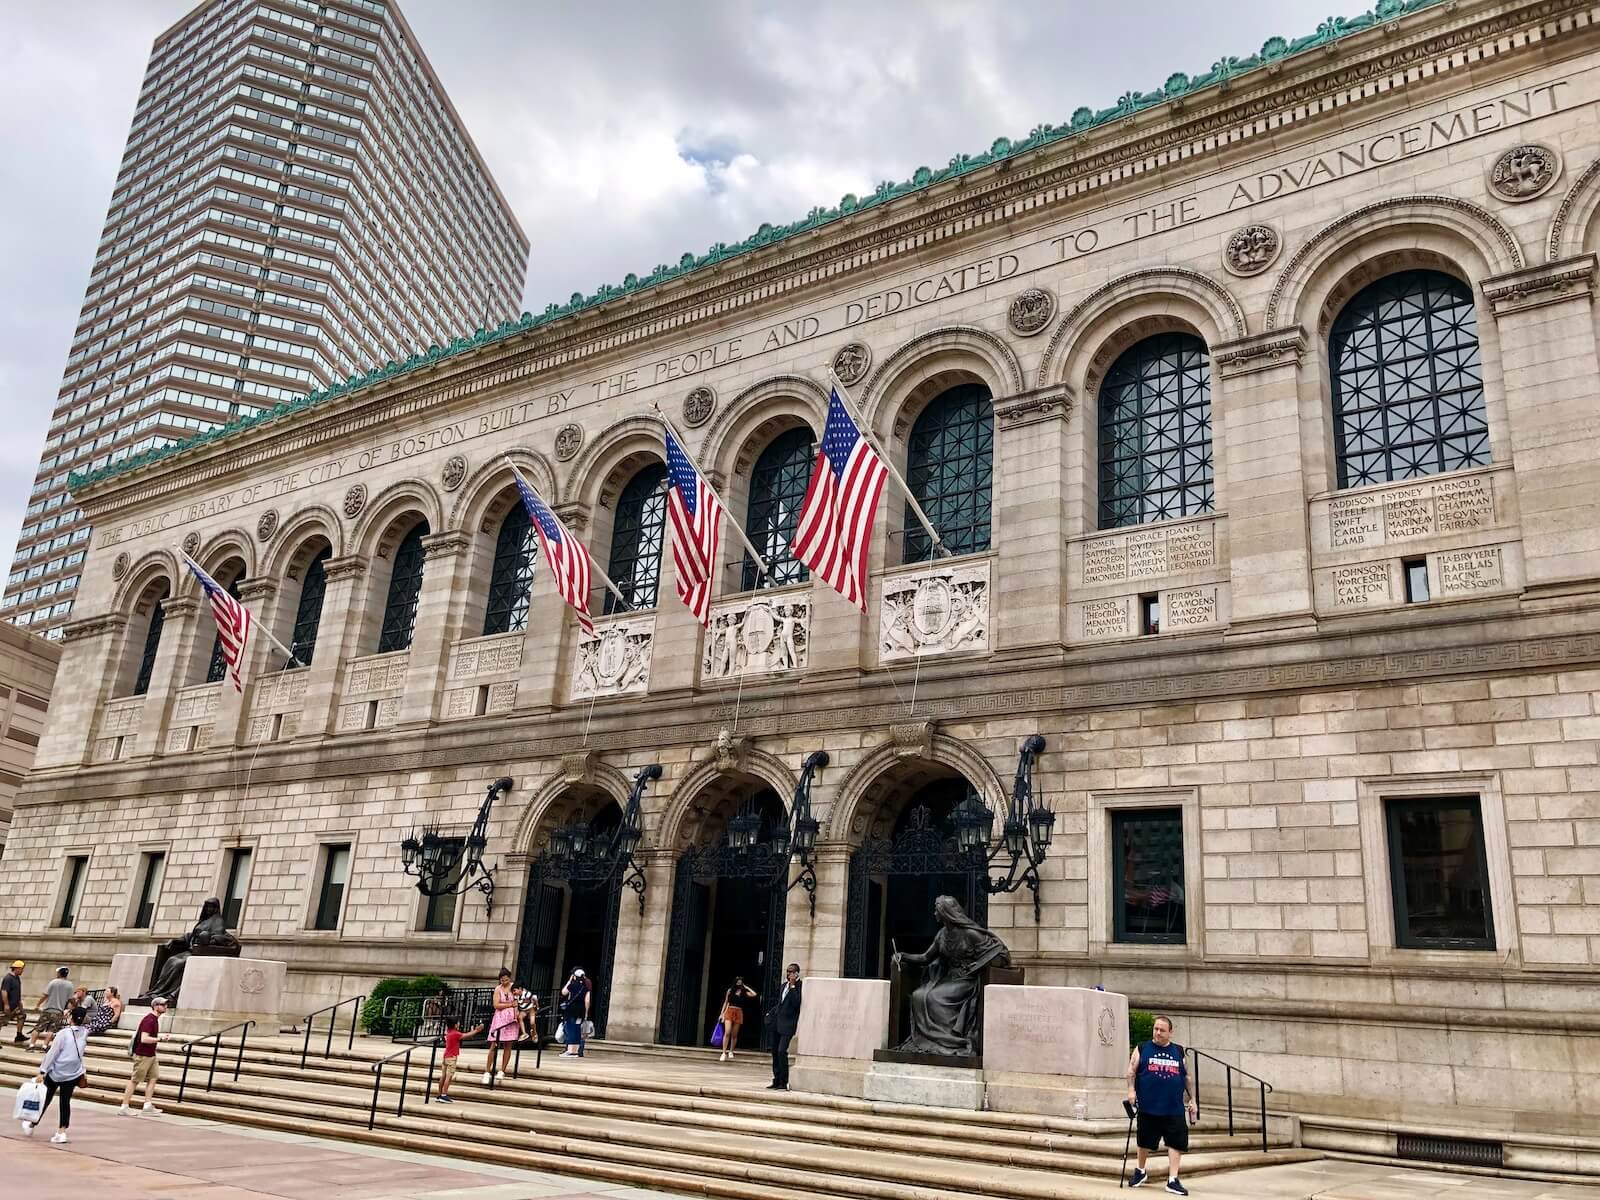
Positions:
{"x": 452, "y": 1055}
{"x": 145, "y": 1068}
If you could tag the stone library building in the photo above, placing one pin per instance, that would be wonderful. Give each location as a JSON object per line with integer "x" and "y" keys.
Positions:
{"x": 1258, "y": 415}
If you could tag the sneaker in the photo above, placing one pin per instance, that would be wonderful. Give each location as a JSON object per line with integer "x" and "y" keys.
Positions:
{"x": 568, "y": 1054}
{"x": 444, "y": 1100}
{"x": 152, "y": 1109}
{"x": 59, "y": 1139}
{"x": 488, "y": 1077}
{"x": 27, "y": 1128}
{"x": 500, "y": 1078}
{"x": 1139, "y": 1178}
{"x": 125, "y": 1111}
{"x": 1176, "y": 1188}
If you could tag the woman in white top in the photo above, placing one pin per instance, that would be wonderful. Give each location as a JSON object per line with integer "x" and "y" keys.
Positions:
{"x": 61, "y": 1071}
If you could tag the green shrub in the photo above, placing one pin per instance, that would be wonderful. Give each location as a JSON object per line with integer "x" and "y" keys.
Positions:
{"x": 1141, "y": 1025}
{"x": 372, "y": 1011}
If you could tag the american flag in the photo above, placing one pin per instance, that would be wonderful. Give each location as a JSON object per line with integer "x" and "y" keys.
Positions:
{"x": 696, "y": 519}
{"x": 233, "y": 622}
{"x": 569, "y": 561}
{"x": 834, "y": 532}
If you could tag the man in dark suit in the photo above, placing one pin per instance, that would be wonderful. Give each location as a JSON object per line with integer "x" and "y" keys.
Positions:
{"x": 785, "y": 1018}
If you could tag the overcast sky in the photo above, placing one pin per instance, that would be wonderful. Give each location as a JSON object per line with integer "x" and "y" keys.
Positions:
{"x": 623, "y": 134}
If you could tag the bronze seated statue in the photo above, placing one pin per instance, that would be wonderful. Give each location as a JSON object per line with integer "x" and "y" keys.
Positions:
{"x": 209, "y": 937}
{"x": 947, "y": 1006}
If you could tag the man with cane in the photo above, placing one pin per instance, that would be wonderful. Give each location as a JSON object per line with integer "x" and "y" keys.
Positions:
{"x": 1159, "y": 1097}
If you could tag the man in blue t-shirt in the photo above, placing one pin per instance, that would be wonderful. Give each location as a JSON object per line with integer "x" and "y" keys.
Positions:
{"x": 1158, "y": 1083}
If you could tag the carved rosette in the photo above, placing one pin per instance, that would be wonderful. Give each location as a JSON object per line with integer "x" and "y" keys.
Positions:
{"x": 355, "y": 500}
{"x": 615, "y": 661}
{"x": 757, "y": 636}
{"x": 569, "y": 440}
{"x": 1030, "y": 311}
{"x": 851, "y": 363}
{"x": 698, "y": 406}
{"x": 120, "y": 567}
{"x": 267, "y": 525}
{"x": 1524, "y": 172}
{"x": 455, "y": 472}
{"x": 191, "y": 544}
{"x": 938, "y": 609}
{"x": 1251, "y": 250}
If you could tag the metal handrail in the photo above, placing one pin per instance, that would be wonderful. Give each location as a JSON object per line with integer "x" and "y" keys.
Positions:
{"x": 405, "y": 1076}
{"x": 216, "y": 1046}
{"x": 1229, "y": 1072}
{"x": 355, "y": 1017}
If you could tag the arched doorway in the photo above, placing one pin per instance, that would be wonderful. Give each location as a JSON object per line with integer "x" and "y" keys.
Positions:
{"x": 727, "y": 919}
{"x": 574, "y": 899}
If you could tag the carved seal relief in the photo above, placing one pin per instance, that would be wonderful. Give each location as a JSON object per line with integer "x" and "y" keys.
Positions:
{"x": 1251, "y": 250}
{"x": 569, "y": 440}
{"x": 1524, "y": 172}
{"x": 455, "y": 471}
{"x": 753, "y": 637}
{"x": 937, "y": 610}
{"x": 698, "y": 406}
{"x": 851, "y": 363}
{"x": 616, "y": 660}
{"x": 120, "y": 567}
{"x": 1031, "y": 311}
{"x": 191, "y": 544}
{"x": 267, "y": 525}
{"x": 355, "y": 500}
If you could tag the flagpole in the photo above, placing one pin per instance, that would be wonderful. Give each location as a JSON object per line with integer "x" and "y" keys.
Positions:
{"x": 761, "y": 563}
{"x": 888, "y": 463}
{"x": 265, "y": 632}
{"x": 593, "y": 565}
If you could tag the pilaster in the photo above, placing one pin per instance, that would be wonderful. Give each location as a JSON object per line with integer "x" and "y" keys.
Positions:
{"x": 1031, "y": 463}
{"x": 180, "y": 631}
{"x": 441, "y": 609}
{"x": 337, "y": 631}
{"x": 89, "y": 655}
{"x": 261, "y": 657}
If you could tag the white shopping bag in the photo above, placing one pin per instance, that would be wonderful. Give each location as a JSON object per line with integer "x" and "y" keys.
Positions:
{"x": 30, "y": 1102}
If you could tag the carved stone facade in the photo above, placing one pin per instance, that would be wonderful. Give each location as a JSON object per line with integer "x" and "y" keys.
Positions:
{"x": 937, "y": 609}
{"x": 758, "y": 635}
{"x": 616, "y": 660}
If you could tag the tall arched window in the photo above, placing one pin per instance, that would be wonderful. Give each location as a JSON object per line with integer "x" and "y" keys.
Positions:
{"x": 948, "y": 467}
{"x": 152, "y": 639}
{"x": 405, "y": 584}
{"x": 308, "y": 613}
{"x": 217, "y": 665}
{"x": 512, "y": 573}
{"x": 1407, "y": 386}
{"x": 636, "y": 534}
{"x": 777, "y": 487}
{"x": 1155, "y": 432}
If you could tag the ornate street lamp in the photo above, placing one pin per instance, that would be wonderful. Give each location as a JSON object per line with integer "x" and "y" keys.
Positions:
{"x": 794, "y": 839}
{"x": 449, "y": 864}
{"x": 585, "y": 858}
{"x": 1024, "y": 835}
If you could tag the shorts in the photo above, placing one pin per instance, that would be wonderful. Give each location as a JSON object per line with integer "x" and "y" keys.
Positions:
{"x": 145, "y": 1068}
{"x": 1155, "y": 1128}
{"x": 447, "y": 1073}
{"x": 733, "y": 1015}
{"x": 50, "y": 1021}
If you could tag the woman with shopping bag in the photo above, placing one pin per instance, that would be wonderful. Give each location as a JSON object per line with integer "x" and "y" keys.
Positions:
{"x": 62, "y": 1071}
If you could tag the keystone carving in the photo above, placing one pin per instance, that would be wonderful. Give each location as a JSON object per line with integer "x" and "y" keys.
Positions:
{"x": 355, "y": 500}
{"x": 698, "y": 406}
{"x": 578, "y": 767}
{"x": 1031, "y": 311}
{"x": 1251, "y": 250}
{"x": 455, "y": 471}
{"x": 1524, "y": 172}
{"x": 267, "y": 525}
{"x": 569, "y": 440}
{"x": 912, "y": 740}
{"x": 851, "y": 363}
{"x": 730, "y": 750}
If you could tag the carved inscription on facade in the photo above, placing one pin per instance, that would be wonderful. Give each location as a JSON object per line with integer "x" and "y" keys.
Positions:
{"x": 616, "y": 660}
{"x": 1149, "y": 553}
{"x": 1354, "y": 521}
{"x": 1189, "y": 608}
{"x": 1465, "y": 572}
{"x": 1109, "y": 618}
{"x": 1360, "y": 585}
{"x": 496, "y": 654}
{"x": 757, "y": 636}
{"x": 1417, "y": 510}
{"x": 935, "y": 610}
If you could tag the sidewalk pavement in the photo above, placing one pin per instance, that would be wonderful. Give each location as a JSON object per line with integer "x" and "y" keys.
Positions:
{"x": 171, "y": 1157}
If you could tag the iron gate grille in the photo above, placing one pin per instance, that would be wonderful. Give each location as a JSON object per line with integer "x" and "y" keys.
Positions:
{"x": 1465, "y": 1152}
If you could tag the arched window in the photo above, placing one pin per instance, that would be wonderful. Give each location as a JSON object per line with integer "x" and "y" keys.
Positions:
{"x": 777, "y": 487}
{"x": 405, "y": 584}
{"x": 217, "y": 666}
{"x": 152, "y": 640}
{"x": 636, "y": 534}
{"x": 512, "y": 574}
{"x": 1155, "y": 432}
{"x": 948, "y": 467}
{"x": 1407, "y": 387}
{"x": 308, "y": 613}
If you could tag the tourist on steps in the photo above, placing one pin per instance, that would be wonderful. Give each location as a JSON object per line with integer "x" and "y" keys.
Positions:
{"x": 146, "y": 1070}
{"x": 107, "y": 1013}
{"x": 733, "y": 1016}
{"x": 52, "y": 1008}
{"x": 785, "y": 1019}
{"x": 503, "y": 1028}
{"x": 11, "y": 1007}
{"x": 62, "y": 1071}
{"x": 452, "y": 1056}
{"x": 576, "y": 998}
{"x": 1158, "y": 1084}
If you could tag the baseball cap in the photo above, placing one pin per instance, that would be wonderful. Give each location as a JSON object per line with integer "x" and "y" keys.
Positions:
{"x": 578, "y": 972}
{"x": 155, "y": 1000}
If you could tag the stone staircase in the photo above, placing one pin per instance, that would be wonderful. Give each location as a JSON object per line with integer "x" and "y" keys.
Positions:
{"x": 681, "y": 1123}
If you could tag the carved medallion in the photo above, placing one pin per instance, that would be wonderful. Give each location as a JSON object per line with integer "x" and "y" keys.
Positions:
{"x": 569, "y": 439}
{"x": 1251, "y": 250}
{"x": 252, "y": 981}
{"x": 851, "y": 363}
{"x": 1031, "y": 311}
{"x": 355, "y": 499}
{"x": 267, "y": 525}
{"x": 1524, "y": 171}
{"x": 191, "y": 544}
{"x": 698, "y": 405}
{"x": 120, "y": 567}
{"x": 1105, "y": 1026}
{"x": 455, "y": 470}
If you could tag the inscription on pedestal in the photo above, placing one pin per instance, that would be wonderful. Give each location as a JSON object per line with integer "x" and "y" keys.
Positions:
{"x": 1463, "y": 572}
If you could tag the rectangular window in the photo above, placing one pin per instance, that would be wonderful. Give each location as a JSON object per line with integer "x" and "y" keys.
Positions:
{"x": 1150, "y": 614}
{"x": 236, "y": 883}
{"x": 153, "y": 865}
{"x": 71, "y": 890}
{"x": 1147, "y": 873}
{"x": 439, "y": 912}
{"x": 335, "y": 876}
{"x": 1439, "y": 874}
{"x": 1416, "y": 572}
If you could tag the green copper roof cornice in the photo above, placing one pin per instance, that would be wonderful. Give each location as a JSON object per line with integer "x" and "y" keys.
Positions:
{"x": 1177, "y": 86}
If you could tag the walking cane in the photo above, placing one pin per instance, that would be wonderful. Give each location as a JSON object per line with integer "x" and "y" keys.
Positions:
{"x": 1122, "y": 1175}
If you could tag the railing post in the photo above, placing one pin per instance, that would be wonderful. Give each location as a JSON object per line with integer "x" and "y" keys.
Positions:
{"x": 305, "y": 1049}
{"x": 1228, "y": 1075}
{"x": 183, "y": 1079}
{"x": 433, "y": 1053}
{"x": 1263, "y": 1115}
{"x": 333, "y": 1019}
{"x": 377, "y": 1082}
{"x": 405, "y": 1075}
{"x": 355, "y": 1015}
{"x": 1196, "y": 1054}
{"x": 238, "y": 1063}
{"x": 216, "y": 1048}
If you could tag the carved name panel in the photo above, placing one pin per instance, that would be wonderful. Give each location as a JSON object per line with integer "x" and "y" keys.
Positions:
{"x": 1149, "y": 553}
{"x": 1466, "y": 572}
{"x": 497, "y": 699}
{"x": 1190, "y": 608}
{"x": 122, "y": 716}
{"x": 196, "y": 704}
{"x": 1381, "y": 516}
{"x": 1359, "y": 585}
{"x": 1099, "y": 619}
{"x": 757, "y": 635}
{"x": 378, "y": 673}
{"x": 496, "y": 654}
{"x": 616, "y": 660}
{"x": 936, "y": 609}
{"x": 282, "y": 690}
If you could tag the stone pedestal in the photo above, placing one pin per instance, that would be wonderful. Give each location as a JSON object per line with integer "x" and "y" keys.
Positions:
{"x": 911, "y": 1083}
{"x": 1057, "y": 1051}
{"x": 841, "y": 1023}
{"x": 130, "y": 974}
{"x": 218, "y": 992}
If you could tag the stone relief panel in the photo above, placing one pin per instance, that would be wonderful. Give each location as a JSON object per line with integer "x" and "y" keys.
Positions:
{"x": 455, "y": 472}
{"x": 851, "y": 363}
{"x": 616, "y": 660}
{"x": 1462, "y": 504}
{"x": 569, "y": 440}
{"x": 1030, "y": 311}
{"x": 1524, "y": 172}
{"x": 757, "y": 635}
{"x": 935, "y": 609}
{"x": 698, "y": 406}
{"x": 1251, "y": 250}
{"x": 355, "y": 499}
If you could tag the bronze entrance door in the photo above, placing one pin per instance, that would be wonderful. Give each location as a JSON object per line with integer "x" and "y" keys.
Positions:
{"x": 570, "y": 920}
